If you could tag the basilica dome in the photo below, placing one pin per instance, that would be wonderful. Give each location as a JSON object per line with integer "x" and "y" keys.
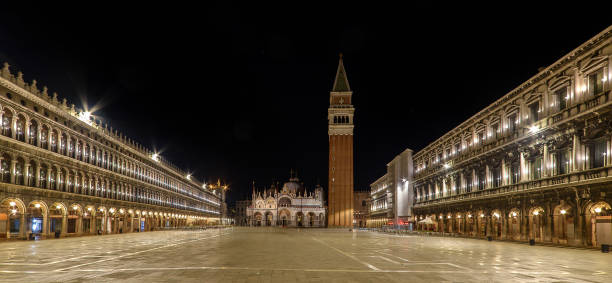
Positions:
{"x": 292, "y": 186}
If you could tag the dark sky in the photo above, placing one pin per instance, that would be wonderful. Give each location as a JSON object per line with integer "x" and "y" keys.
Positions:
{"x": 241, "y": 92}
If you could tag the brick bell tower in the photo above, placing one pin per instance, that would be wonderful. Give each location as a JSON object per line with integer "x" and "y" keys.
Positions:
{"x": 340, "y": 122}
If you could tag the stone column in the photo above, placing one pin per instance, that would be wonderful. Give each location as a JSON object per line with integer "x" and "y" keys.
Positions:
{"x": 48, "y": 185}
{"x": 67, "y": 182}
{"x": 64, "y": 224}
{"x": 77, "y": 186}
{"x": 23, "y": 226}
{"x": 45, "y": 229}
{"x": 38, "y": 135}
{"x": 579, "y": 220}
{"x": 523, "y": 224}
{"x": 92, "y": 222}
{"x": 503, "y": 218}
{"x": 549, "y": 223}
{"x": 49, "y": 138}
{"x": 26, "y": 174}
{"x": 58, "y": 178}
{"x": 487, "y": 177}
{"x": 546, "y": 160}
{"x": 14, "y": 126}
{"x": 523, "y": 165}
{"x": 504, "y": 174}
{"x": 26, "y": 131}
{"x": 13, "y": 170}
{"x": 37, "y": 176}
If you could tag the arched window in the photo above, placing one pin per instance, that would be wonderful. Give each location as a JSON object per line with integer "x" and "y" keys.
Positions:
{"x": 6, "y": 170}
{"x": 7, "y": 121}
{"x": 63, "y": 145}
{"x": 42, "y": 177}
{"x": 54, "y": 141}
{"x": 53, "y": 179}
{"x": 31, "y": 174}
{"x": 86, "y": 153}
{"x": 19, "y": 172}
{"x": 33, "y": 135}
{"x": 44, "y": 136}
{"x": 20, "y": 127}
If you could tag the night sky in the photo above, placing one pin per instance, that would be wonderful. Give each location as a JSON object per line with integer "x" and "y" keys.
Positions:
{"x": 241, "y": 92}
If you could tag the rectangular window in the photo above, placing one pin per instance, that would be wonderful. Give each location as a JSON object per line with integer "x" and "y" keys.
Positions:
{"x": 448, "y": 153}
{"x": 561, "y": 97}
{"x": 597, "y": 154}
{"x": 457, "y": 148}
{"x": 596, "y": 82}
{"x": 562, "y": 162}
{"x": 468, "y": 184}
{"x": 534, "y": 110}
{"x": 481, "y": 179}
{"x": 536, "y": 168}
{"x": 495, "y": 130}
{"x": 497, "y": 177}
{"x": 515, "y": 173}
{"x": 457, "y": 183}
{"x": 480, "y": 138}
{"x": 512, "y": 123}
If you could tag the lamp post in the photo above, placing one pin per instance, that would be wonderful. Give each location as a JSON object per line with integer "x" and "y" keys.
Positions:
{"x": 223, "y": 189}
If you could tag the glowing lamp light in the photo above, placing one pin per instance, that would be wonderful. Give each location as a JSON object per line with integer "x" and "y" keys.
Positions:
{"x": 89, "y": 209}
{"x": 188, "y": 176}
{"x": 598, "y": 210}
{"x": 13, "y": 211}
{"x": 563, "y": 211}
{"x": 458, "y": 216}
{"x": 496, "y": 215}
{"x": 75, "y": 207}
{"x": 12, "y": 203}
{"x": 514, "y": 214}
{"x": 37, "y": 205}
{"x": 58, "y": 207}
{"x": 155, "y": 157}
{"x": 448, "y": 217}
{"x": 481, "y": 215}
{"x": 469, "y": 216}
{"x": 534, "y": 128}
{"x": 85, "y": 117}
{"x": 536, "y": 212}
{"x": 446, "y": 166}
{"x": 121, "y": 211}
{"x": 111, "y": 210}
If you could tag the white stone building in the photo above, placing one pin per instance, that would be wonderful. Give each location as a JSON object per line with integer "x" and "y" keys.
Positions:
{"x": 292, "y": 206}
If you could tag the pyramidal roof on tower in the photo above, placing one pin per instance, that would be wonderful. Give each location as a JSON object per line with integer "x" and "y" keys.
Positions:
{"x": 341, "y": 83}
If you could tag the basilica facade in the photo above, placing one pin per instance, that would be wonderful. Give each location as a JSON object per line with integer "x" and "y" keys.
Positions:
{"x": 290, "y": 206}
{"x": 536, "y": 165}
{"x": 65, "y": 173}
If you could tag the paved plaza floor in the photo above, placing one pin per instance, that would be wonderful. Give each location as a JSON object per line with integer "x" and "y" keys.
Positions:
{"x": 291, "y": 255}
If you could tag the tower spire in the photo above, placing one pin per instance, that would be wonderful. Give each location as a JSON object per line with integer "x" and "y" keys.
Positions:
{"x": 341, "y": 82}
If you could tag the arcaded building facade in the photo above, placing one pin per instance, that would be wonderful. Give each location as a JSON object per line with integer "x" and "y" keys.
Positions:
{"x": 63, "y": 173}
{"x": 534, "y": 165}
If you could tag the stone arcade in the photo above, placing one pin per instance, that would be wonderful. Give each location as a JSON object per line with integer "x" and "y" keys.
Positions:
{"x": 63, "y": 173}
{"x": 534, "y": 165}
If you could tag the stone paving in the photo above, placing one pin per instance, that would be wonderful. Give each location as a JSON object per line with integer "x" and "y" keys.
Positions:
{"x": 292, "y": 255}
